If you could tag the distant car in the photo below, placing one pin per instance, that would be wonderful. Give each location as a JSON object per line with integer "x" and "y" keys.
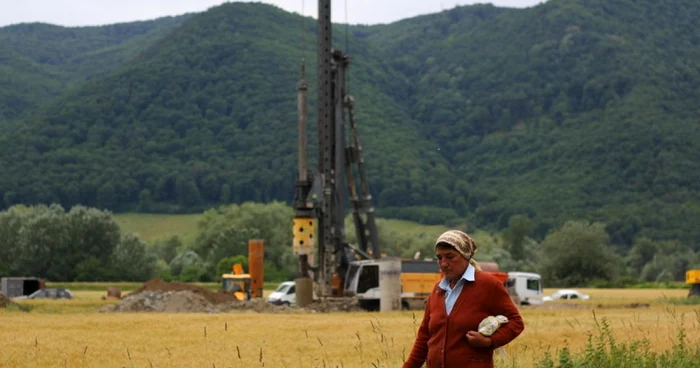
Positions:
{"x": 566, "y": 294}
{"x": 49, "y": 293}
{"x": 284, "y": 294}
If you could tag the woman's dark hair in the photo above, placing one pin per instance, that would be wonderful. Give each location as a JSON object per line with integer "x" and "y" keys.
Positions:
{"x": 444, "y": 245}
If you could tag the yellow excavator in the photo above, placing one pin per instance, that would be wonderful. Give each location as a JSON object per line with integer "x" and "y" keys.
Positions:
{"x": 246, "y": 286}
{"x": 237, "y": 282}
{"x": 692, "y": 278}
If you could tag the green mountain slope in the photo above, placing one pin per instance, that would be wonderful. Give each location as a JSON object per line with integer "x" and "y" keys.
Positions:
{"x": 41, "y": 61}
{"x": 574, "y": 109}
{"x": 24, "y": 84}
{"x": 205, "y": 116}
{"x": 571, "y": 109}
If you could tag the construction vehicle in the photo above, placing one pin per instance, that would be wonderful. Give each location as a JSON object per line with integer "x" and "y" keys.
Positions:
{"x": 692, "y": 278}
{"x": 418, "y": 278}
{"x": 319, "y": 208}
{"x": 246, "y": 286}
{"x": 237, "y": 282}
{"x": 328, "y": 264}
{"x": 525, "y": 288}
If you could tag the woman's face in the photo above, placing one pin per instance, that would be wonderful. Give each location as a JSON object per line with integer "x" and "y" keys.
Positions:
{"x": 451, "y": 263}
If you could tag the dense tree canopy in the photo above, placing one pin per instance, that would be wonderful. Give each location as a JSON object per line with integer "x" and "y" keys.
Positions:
{"x": 40, "y": 61}
{"x": 567, "y": 110}
{"x": 83, "y": 244}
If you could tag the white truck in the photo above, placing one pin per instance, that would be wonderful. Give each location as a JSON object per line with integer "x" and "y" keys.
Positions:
{"x": 528, "y": 287}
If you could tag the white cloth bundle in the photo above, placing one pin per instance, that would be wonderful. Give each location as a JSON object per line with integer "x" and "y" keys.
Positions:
{"x": 489, "y": 325}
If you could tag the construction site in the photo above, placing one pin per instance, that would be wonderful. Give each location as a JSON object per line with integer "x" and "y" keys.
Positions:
{"x": 157, "y": 295}
{"x": 239, "y": 291}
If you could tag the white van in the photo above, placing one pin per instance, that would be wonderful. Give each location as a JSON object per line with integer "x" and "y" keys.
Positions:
{"x": 285, "y": 294}
{"x": 528, "y": 286}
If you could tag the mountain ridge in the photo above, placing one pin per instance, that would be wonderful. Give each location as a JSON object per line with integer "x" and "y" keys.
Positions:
{"x": 581, "y": 115}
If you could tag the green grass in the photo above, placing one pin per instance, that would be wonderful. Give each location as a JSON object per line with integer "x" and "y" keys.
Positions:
{"x": 603, "y": 350}
{"x": 61, "y": 306}
{"x": 94, "y": 286}
{"x": 692, "y": 300}
{"x": 152, "y": 227}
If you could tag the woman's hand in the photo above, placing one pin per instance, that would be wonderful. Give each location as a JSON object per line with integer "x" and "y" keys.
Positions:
{"x": 478, "y": 340}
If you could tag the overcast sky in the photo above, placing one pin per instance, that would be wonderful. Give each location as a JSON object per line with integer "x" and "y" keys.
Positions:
{"x": 98, "y": 12}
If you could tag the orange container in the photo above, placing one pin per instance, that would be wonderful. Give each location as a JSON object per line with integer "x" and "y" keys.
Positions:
{"x": 501, "y": 276}
{"x": 488, "y": 266}
{"x": 256, "y": 255}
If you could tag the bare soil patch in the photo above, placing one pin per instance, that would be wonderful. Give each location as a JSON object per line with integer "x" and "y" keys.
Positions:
{"x": 214, "y": 297}
{"x": 163, "y": 301}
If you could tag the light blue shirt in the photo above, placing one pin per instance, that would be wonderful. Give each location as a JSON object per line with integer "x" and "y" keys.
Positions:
{"x": 451, "y": 294}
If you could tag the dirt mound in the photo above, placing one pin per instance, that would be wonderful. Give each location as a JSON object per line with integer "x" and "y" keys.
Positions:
{"x": 191, "y": 302}
{"x": 163, "y": 301}
{"x": 157, "y": 284}
{"x": 330, "y": 305}
{"x": 157, "y": 295}
{"x": 257, "y": 305}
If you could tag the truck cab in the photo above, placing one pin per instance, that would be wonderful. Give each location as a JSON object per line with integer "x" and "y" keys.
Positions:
{"x": 418, "y": 277}
{"x": 238, "y": 284}
{"x": 527, "y": 286}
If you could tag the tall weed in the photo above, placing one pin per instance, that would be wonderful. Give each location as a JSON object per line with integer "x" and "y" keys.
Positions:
{"x": 603, "y": 350}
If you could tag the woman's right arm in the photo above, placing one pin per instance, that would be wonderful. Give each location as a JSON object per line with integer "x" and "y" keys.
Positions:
{"x": 420, "y": 347}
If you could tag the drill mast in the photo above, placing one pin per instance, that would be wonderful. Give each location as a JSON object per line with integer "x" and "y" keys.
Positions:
{"x": 340, "y": 165}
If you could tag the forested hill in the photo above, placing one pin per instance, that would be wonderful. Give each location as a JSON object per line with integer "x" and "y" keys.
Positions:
{"x": 40, "y": 61}
{"x": 574, "y": 109}
{"x": 208, "y": 115}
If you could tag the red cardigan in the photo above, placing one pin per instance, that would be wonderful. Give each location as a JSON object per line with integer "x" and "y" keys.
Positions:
{"x": 442, "y": 341}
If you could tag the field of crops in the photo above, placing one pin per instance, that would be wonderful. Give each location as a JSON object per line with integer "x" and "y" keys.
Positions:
{"x": 73, "y": 334}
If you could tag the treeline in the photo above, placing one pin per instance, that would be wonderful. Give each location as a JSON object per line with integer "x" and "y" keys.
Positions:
{"x": 85, "y": 244}
{"x": 574, "y": 253}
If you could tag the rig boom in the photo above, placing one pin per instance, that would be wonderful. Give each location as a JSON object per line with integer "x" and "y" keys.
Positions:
{"x": 322, "y": 249}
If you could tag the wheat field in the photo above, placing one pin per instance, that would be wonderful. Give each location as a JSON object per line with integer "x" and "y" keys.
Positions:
{"x": 73, "y": 334}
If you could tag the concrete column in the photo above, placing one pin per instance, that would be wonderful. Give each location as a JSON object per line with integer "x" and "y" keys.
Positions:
{"x": 390, "y": 284}
{"x": 304, "y": 289}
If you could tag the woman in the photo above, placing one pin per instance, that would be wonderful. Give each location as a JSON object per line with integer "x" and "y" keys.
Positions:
{"x": 448, "y": 336}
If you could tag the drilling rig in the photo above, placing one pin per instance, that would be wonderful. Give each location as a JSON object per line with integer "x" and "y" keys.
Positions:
{"x": 320, "y": 195}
